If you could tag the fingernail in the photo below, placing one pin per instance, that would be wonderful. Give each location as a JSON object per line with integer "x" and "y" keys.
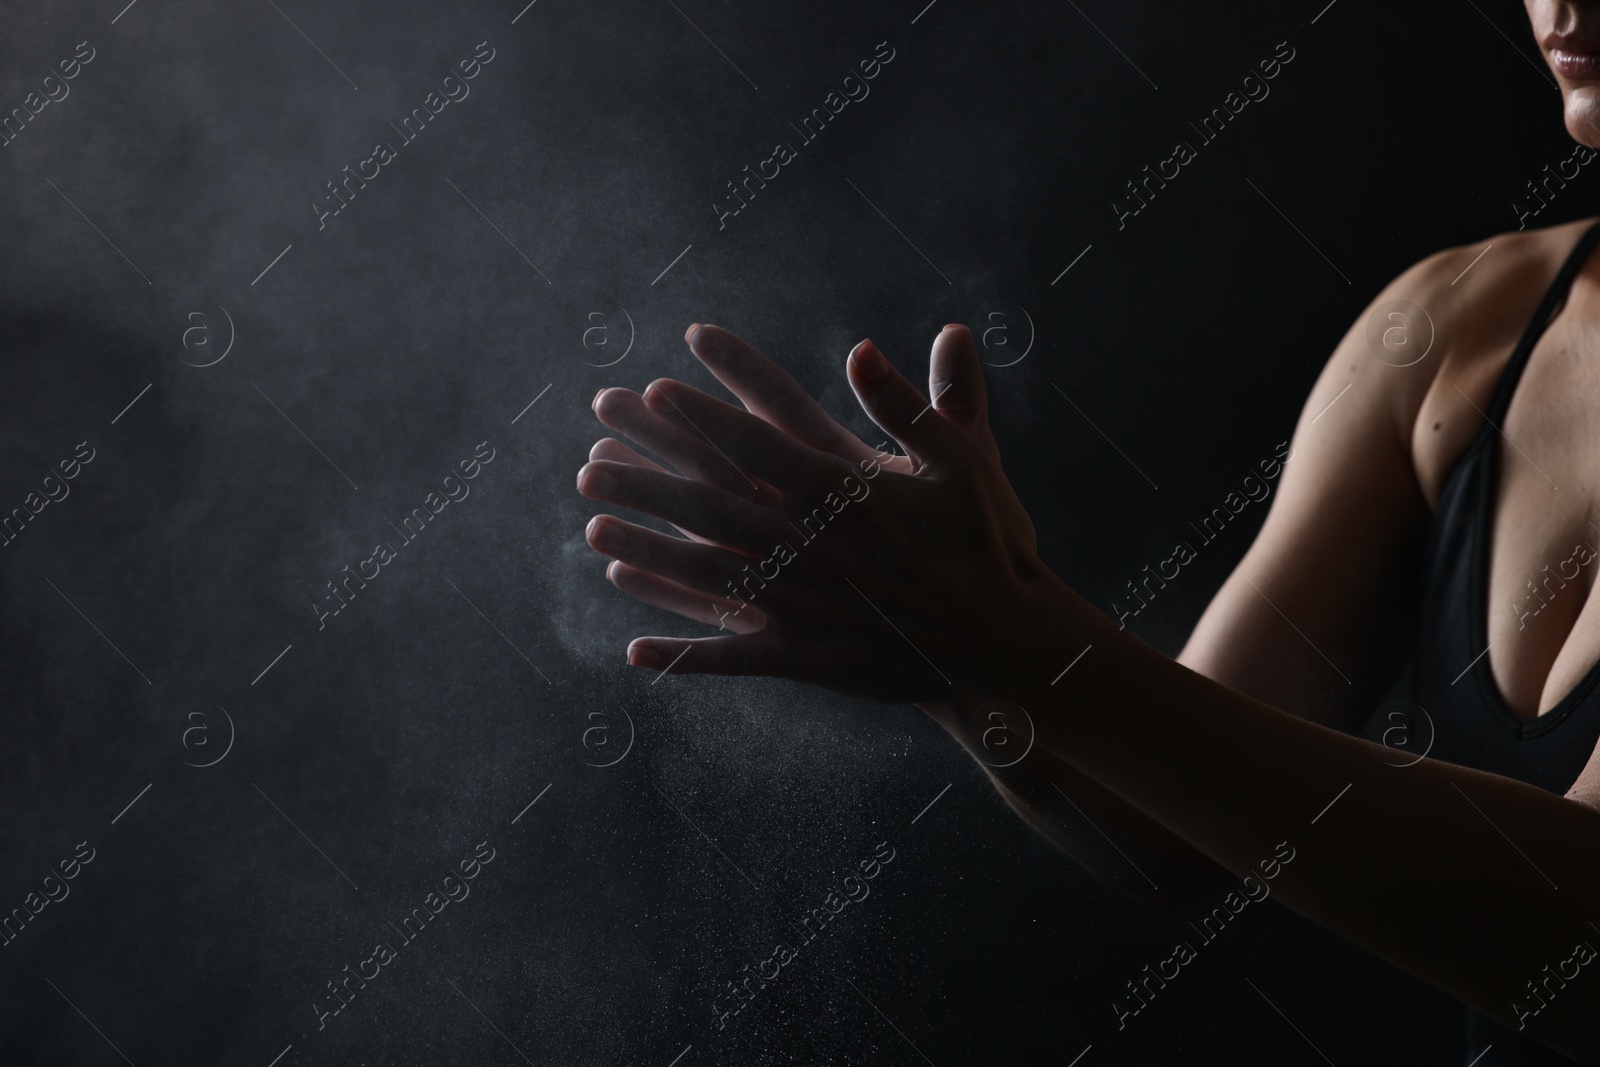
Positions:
{"x": 604, "y": 536}
{"x": 688, "y": 335}
{"x": 596, "y": 399}
{"x": 645, "y": 656}
{"x": 953, "y": 325}
{"x": 657, "y": 391}
{"x": 593, "y": 481}
{"x": 871, "y": 362}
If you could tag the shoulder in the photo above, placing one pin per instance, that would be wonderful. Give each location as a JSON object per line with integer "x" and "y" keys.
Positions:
{"x": 1483, "y": 295}
{"x": 1460, "y": 305}
{"x": 1470, "y": 305}
{"x": 1498, "y": 269}
{"x": 1471, "y": 295}
{"x": 1442, "y": 329}
{"x": 1470, "y": 302}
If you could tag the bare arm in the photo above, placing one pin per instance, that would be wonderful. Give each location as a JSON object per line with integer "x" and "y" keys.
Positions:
{"x": 963, "y": 610}
{"x": 1241, "y": 640}
{"x": 1107, "y": 836}
{"x": 1310, "y": 620}
{"x": 1496, "y": 883}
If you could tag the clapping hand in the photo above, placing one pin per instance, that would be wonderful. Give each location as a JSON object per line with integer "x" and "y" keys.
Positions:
{"x": 910, "y": 577}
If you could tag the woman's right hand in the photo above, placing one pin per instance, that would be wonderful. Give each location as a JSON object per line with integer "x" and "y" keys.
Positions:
{"x": 955, "y": 382}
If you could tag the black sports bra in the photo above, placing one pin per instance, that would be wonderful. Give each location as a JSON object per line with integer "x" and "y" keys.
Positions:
{"x": 1446, "y": 703}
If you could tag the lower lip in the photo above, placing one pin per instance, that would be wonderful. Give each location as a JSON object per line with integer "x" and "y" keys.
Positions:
{"x": 1577, "y": 66}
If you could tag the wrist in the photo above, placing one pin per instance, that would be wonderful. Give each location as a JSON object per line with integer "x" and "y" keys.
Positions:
{"x": 1048, "y": 627}
{"x": 995, "y": 732}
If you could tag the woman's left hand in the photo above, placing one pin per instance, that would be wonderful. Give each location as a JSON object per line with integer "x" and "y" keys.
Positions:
{"x": 896, "y": 586}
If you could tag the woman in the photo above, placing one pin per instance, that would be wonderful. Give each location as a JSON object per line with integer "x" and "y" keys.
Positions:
{"x": 1443, "y": 512}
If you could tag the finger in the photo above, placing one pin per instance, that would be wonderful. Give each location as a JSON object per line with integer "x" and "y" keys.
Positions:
{"x": 617, "y": 452}
{"x": 614, "y": 450}
{"x": 770, "y": 392}
{"x": 955, "y": 381}
{"x": 725, "y": 614}
{"x": 899, "y": 407}
{"x": 751, "y": 444}
{"x": 626, "y": 412}
{"x": 750, "y": 654}
{"x": 700, "y": 568}
{"x": 707, "y": 510}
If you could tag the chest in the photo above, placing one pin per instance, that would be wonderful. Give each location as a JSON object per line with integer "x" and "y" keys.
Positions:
{"x": 1542, "y": 627}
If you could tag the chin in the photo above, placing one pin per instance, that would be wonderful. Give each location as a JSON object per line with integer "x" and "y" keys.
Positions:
{"x": 1582, "y": 108}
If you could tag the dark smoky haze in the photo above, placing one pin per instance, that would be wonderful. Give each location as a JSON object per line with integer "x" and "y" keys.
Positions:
{"x": 309, "y": 678}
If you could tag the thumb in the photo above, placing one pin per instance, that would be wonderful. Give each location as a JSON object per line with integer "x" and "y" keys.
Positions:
{"x": 899, "y": 408}
{"x": 955, "y": 382}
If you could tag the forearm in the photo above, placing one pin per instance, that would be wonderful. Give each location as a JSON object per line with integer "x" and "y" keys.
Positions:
{"x": 1107, "y": 836}
{"x": 1469, "y": 902}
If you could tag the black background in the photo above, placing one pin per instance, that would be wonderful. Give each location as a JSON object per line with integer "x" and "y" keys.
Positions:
{"x": 413, "y": 327}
